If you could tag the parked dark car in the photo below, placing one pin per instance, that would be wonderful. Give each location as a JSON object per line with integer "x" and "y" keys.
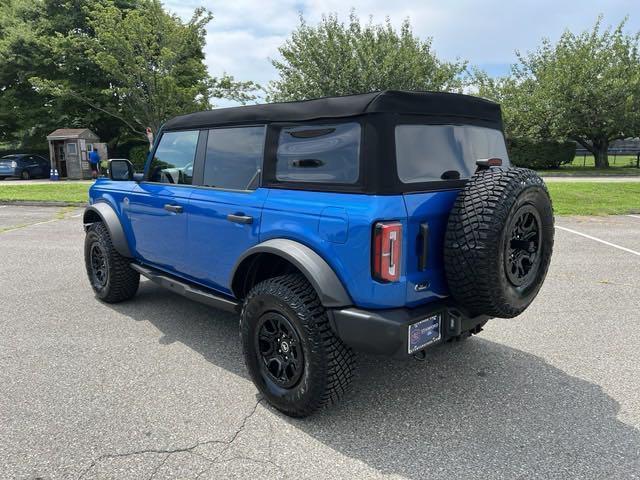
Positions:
{"x": 24, "y": 166}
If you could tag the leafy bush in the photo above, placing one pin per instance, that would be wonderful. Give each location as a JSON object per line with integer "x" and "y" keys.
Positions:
{"x": 138, "y": 156}
{"x": 540, "y": 154}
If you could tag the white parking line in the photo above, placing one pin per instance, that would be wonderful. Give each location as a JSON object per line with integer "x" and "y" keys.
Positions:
{"x": 29, "y": 225}
{"x": 634, "y": 216}
{"x": 624, "y": 249}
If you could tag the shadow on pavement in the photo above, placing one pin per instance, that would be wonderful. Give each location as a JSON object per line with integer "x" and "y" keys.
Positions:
{"x": 475, "y": 409}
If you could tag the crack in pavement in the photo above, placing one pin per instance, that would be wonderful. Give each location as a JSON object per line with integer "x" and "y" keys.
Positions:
{"x": 190, "y": 449}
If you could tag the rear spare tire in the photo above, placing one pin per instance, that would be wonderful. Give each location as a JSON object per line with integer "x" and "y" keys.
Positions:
{"x": 499, "y": 241}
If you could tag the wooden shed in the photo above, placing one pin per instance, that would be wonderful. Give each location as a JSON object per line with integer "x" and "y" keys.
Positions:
{"x": 68, "y": 151}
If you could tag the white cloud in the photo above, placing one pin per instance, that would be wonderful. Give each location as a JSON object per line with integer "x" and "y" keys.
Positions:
{"x": 246, "y": 33}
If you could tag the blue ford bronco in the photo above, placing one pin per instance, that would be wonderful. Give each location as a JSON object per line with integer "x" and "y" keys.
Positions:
{"x": 385, "y": 223}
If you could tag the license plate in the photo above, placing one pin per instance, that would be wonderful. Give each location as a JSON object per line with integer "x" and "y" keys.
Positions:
{"x": 424, "y": 333}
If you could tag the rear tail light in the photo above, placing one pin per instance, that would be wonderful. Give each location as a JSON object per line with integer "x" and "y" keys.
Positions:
{"x": 387, "y": 251}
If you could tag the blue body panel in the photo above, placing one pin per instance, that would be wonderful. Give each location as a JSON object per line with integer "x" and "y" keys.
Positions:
{"x": 160, "y": 236}
{"x": 215, "y": 243}
{"x": 432, "y": 208}
{"x": 201, "y": 245}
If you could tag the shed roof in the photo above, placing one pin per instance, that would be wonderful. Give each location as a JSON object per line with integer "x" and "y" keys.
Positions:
{"x": 433, "y": 104}
{"x": 65, "y": 133}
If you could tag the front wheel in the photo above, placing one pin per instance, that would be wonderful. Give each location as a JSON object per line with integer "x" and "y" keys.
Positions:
{"x": 25, "y": 175}
{"x": 110, "y": 275}
{"x": 294, "y": 357}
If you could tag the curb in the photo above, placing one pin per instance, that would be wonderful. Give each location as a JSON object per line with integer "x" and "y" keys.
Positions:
{"x": 33, "y": 203}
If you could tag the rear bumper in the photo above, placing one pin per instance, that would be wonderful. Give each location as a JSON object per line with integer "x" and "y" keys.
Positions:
{"x": 386, "y": 332}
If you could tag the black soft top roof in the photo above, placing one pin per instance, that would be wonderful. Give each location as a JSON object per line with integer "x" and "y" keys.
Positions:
{"x": 433, "y": 104}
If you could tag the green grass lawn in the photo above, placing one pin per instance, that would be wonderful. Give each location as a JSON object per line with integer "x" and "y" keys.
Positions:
{"x": 581, "y": 166}
{"x": 569, "y": 198}
{"x": 51, "y": 192}
{"x": 591, "y": 198}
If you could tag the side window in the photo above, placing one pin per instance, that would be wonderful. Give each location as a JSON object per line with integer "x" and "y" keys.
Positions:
{"x": 319, "y": 153}
{"x": 234, "y": 157}
{"x": 174, "y": 157}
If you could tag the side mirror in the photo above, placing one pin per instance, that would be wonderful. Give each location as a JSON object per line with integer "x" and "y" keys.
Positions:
{"x": 121, "y": 170}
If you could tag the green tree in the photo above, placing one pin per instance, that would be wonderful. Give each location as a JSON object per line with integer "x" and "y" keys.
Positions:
{"x": 153, "y": 64}
{"x": 36, "y": 41}
{"x": 337, "y": 59}
{"x": 585, "y": 87}
{"x": 116, "y": 66}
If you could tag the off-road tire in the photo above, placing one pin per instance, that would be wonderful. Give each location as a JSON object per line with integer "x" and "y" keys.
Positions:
{"x": 328, "y": 363}
{"x": 478, "y": 237}
{"x": 122, "y": 281}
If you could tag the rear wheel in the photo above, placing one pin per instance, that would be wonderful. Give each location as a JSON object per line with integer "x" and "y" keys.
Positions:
{"x": 110, "y": 275}
{"x": 25, "y": 175}
{"x": 291, "y": 352}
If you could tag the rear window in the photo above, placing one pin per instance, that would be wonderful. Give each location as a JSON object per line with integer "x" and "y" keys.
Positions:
{"x": 319, "y": 153}
{"x": 427, "y": 153}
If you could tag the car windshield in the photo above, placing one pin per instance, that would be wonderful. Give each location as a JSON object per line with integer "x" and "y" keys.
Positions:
{"x": 428, "y": 153}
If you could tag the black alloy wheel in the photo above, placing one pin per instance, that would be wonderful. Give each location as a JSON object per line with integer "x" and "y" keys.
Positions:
{"x": 280, "y": 350}
{"x": 99, "y": 273}
{"x": 522, "y": 248}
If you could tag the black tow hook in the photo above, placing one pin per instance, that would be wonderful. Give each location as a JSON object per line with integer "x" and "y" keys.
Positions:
{"x": 420, "y": 356}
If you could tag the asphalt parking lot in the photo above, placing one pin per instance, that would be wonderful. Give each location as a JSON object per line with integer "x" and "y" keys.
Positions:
{"x": 156, "y": 387}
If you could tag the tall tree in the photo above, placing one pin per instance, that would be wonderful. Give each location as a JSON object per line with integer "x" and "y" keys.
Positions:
{"x": 337, "y": 59}
{"x": 111, "y": 65}
{"x": 153, "y": 63}
{"x": 36, "y": 41}
{"x": 585, "y": 87}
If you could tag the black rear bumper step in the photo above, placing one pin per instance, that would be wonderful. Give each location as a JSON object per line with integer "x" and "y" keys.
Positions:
{"x": 385, "y": 332}
{"x": 186, "y": 289}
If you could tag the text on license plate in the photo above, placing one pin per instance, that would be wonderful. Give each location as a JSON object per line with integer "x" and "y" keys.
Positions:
{"x": 423, "y": 333}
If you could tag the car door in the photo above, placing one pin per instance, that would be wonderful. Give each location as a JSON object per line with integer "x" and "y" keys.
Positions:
{"x": 225, "y": 210}
{"x": 32, "y": 166}
{"x": 158, "y": 206}
{"x": 43, "y": 165}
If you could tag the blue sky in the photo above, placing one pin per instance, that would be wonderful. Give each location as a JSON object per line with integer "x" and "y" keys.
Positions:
{"x": 246, "y": 33}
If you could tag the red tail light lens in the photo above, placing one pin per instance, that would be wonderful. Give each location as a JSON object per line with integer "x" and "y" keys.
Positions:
{"x": 387, "y": 251}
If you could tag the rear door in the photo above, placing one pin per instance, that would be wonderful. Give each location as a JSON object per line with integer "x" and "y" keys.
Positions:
{"x": 32, "y": 166}
{"x": 158, "y": 206}
{"x": 44, "y": 165}
{"x": 436, "y": 158}
{"x": 226, "y": 207}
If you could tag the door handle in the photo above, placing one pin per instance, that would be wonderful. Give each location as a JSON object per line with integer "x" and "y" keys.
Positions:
{"x": 240, "y": 218}
{"x": 173, "y": 208}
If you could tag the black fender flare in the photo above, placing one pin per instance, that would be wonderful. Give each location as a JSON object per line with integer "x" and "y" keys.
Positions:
{"x": 107, "y": 215}
{"x": 317, "y": 271}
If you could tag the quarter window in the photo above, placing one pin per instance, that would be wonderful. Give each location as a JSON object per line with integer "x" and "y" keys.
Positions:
{"x": 234, "y": 158}
{"x": 173, "y": 159}
{"x": 427, "y": 153}
{"x": 319, "y": 153}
